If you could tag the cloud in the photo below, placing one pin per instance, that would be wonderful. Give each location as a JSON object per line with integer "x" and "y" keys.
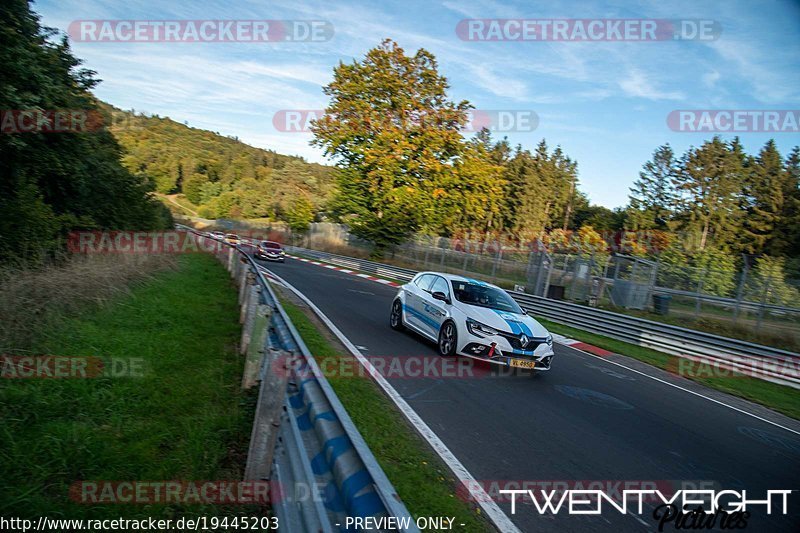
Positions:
{"x": 773, "y": 76}
{"x": 639, "y": 85}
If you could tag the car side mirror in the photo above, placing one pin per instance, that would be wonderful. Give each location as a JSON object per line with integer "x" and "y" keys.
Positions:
{"x": 438, "y": 295}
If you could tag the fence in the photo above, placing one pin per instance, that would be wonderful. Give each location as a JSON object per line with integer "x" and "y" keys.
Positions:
{"x": 752, "y": 304}
{"x": 320, "y": 469}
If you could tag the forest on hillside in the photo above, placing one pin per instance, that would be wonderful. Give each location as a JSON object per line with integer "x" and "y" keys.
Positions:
{"x": 222, "y": 176}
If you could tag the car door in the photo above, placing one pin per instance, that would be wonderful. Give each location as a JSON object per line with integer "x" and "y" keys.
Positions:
{"x": 435, "y": 311}
{"x": 414, "y": 301}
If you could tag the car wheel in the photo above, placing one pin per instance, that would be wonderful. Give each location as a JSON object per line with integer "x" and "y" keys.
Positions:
{"x": 396, "y": 317}
{"x": 448, "y": 339}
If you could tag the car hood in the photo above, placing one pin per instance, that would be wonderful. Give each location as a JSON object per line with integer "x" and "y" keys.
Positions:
{"x": 505, "y": 321}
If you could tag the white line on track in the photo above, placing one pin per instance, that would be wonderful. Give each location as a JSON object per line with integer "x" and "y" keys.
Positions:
{"x": 686, "y": 390}
{"x": 492, "y": 510}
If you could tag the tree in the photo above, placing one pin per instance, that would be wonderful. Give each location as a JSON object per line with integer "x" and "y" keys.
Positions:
{"x": 764, "y": 202}
{"x": 651, "y": 197}
{"x": 717, "y": 271}
{"x": 767, "y": 282}
{"x": 709, "y": 185}
{"x": 598, "y": 217}
{"x": 787, "y": 227}
{"x": 471, "y": 197}
{"x": 300, "y": 215}
{"x": 541, "y": 191}
{"x": 51, "y": 183}
{"x": 395, "y": 136}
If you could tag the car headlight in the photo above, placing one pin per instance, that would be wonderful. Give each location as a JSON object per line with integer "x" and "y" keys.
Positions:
{"x": 480, "y": 330}
{"x": 549, "y": 340}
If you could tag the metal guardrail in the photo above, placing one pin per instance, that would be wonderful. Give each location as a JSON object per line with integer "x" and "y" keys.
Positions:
{"x": 322, "y": 470}
{"x": 764, "y": 362}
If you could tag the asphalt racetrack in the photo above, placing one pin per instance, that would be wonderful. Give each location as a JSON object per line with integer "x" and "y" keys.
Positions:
{"x": 587, "y": 420}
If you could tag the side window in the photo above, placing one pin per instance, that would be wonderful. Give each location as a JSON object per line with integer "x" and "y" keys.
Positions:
{"x": 440, "y": 285}
{"x": 424, "y": 281}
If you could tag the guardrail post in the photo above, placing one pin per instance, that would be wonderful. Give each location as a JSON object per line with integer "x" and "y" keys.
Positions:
{"x": 740, "y": 289}
{"x": 267, "y": 419}
{"x": 248, "y": 314}
{"x": 256, "y": 346}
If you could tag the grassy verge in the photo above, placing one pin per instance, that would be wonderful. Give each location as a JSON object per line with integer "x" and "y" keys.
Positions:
{"x": 425, "y": 485}
{"x": 778, "y": 397}
{"x": 182, "y": 418}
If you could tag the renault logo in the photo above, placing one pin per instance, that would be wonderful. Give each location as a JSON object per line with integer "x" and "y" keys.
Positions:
{"x": 523, "y": 340}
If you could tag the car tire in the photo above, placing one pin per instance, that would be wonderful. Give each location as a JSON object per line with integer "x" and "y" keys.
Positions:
{"x": 396, "y": 316}
{"x": 448, "y": 339}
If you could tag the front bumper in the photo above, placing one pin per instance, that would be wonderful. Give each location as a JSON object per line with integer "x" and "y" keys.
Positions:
{"x": 498, "y": 350}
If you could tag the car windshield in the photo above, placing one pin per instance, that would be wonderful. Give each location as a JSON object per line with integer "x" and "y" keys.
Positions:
{"x": 484, "y": 296}
{"x": 273, "y": 245}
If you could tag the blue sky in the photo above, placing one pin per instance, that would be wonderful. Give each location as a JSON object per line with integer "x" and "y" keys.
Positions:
{"x": 605, "y": 103}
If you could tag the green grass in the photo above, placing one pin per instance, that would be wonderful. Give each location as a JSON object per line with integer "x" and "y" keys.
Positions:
{"x": 184, "y": 419}
{"x": 423, "y": 482}
{"x": 783, "y": 399}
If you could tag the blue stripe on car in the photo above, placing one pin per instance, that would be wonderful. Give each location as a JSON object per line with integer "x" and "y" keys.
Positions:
{"x": 513, "y": 324}
{"x": 422, "y": 316}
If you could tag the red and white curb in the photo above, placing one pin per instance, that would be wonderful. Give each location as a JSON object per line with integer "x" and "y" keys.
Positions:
{"x": 580, "y": 345}
{"x": 346, "y": 271}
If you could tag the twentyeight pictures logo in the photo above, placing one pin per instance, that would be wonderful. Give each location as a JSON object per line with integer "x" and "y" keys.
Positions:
{"x": 588, "y": 30}
{"x": 200, "y": 31}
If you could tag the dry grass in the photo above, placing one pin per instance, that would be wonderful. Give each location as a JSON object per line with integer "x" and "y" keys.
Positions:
{"x": 33, "y": 301}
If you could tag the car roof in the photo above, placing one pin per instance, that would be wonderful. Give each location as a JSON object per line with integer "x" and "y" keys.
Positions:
{"x": 456, "y": 277}
{"x": 271, "y": 242}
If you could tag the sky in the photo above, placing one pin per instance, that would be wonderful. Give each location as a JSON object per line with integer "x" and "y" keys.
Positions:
{"x": 605, "y": 103}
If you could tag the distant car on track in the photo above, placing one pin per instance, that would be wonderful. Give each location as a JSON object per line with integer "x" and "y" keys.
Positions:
{"x": 232, "y": 238}
{"x": 216, "y": 235}
{"x": 472, "y": 318}
{"x": 270, "y": 251}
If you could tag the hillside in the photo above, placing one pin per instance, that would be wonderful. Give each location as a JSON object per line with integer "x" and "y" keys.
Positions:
{"x": 221, "y": 175}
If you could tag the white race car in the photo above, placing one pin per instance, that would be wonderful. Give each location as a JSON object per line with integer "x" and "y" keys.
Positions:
{"x": 472, "y": 318}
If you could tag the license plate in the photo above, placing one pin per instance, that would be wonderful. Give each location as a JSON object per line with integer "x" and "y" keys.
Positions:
{"x": 522, "y": 363}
